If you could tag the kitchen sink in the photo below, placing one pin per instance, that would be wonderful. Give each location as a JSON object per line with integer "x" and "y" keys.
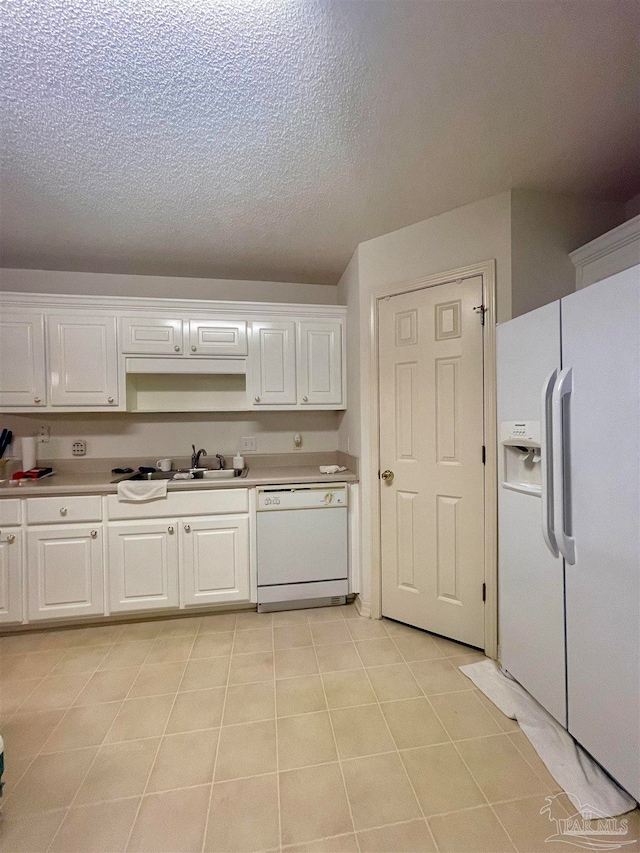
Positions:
{"x": 198, "y": 474}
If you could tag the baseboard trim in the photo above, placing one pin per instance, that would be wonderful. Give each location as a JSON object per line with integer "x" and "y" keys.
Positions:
{"x": 363, "y": 607}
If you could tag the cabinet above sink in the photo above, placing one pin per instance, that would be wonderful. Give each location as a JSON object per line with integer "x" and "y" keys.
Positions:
{"x": 87, "y": 353}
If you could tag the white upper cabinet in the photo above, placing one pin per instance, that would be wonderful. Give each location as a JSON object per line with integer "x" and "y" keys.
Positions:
{"x": 218, "y": 337}
{"x": 151, "y": 336}
{"x": 22, "y": 365}
{"x": 83, "y": 360}
{"x": 273, "y": 363}
{"x": 320, "y": 363}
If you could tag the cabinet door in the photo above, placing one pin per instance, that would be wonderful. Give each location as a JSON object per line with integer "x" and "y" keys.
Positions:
{"x": 143, "y": 565}
{"x": 65, "y": 572}
{"x": 320, "y": 363}
{"x": 22, "y": 369}
{"x": 151, "y": 335}
{"x": 273, "y": 363}
{"x": 83, "y": 360}
{"x": 10, "y": 576}
{"x": 215, "y": 554}
{"x": 217, "y": 337}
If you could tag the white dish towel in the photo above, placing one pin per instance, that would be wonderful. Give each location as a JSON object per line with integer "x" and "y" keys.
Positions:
{"x": 142, "y": 490}
{"x": 585, "y": 783}
{"x": 331, "y": 469}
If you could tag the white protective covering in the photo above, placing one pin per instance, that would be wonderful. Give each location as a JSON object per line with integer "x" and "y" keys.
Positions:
{"x": 585, "y": 783}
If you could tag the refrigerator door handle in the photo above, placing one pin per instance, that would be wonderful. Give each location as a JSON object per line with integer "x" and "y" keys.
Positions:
{"x": 546, "y": 472}
{"x": 562, "y": 389}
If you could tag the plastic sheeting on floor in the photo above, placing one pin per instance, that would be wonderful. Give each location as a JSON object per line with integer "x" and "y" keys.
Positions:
{"x": 585, "y": 783}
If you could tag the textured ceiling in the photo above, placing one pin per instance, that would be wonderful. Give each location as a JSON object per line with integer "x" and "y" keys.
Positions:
{"x": 263, "y": 139}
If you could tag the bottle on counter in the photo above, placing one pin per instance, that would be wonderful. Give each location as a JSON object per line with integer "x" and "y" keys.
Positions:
{"x": 238, "y": 464}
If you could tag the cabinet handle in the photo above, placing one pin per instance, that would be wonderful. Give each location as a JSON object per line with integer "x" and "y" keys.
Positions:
{"x": 257, "y": 399}
{"x": 194, "y": 349}
{"x": 187, "y": 528}
{"x": 111, "y": 399}
{"x": 37, "y": 400}
{"x": 63, "y": 510}
{"x": 94, "y": 533}
{"x": 9, "y": 540}
{"x": 170, "y": 528}
{"x": 177, "y": 348}
{"x": 305, "y": 399}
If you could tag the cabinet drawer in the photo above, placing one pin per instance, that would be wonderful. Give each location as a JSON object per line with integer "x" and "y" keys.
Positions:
{"x": 64, "y": 509}
{"x": 177, "y": 505}
{"x": 155, "y": 335}
{"x": 10, "y": 512}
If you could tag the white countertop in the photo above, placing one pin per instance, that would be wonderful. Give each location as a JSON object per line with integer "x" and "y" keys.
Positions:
{"x": 99, "y": 482}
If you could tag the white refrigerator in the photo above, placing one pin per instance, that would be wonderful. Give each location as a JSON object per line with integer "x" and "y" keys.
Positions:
{"x": 569, "y": 515}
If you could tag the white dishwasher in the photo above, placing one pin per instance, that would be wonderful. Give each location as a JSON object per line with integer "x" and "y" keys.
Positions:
{"x": 302, "y": 546}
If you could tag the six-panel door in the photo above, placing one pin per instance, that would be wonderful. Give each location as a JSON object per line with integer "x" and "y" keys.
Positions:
{"x": 22, "y": 365}
{"x": 10, "y": 576}
{"x": 83, "y": 360}
{"x": 215, "y": 553}
{"x": 273, "y": 363}
{"x": 143, "y": 565}
{"x": 66, "y": 571}
{"x": 320, "y": 363}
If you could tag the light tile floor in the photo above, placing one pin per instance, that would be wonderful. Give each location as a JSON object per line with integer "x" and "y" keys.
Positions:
{"x": 300, "y": 731}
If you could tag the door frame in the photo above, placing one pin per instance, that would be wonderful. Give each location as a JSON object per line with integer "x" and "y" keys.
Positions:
{"x": 487, "y": 270}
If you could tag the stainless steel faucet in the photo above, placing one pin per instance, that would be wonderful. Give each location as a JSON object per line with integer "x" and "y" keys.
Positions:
{"x": 220, "y": 460}
{"x": 195, "y": 456}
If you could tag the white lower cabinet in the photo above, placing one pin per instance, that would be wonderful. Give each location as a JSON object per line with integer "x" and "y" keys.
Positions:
{"x": 215, "y": 559}
{"x": 10, "y": 576}
{"x": 143, "y": 565}
{"x": 65, "y": 571}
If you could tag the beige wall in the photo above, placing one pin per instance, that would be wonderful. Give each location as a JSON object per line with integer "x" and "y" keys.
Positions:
{"x": 348, "y": 294}
{"x": 106, "y": 284}
{"x": 122, "y": 435}
{"x": 544, "y": 228}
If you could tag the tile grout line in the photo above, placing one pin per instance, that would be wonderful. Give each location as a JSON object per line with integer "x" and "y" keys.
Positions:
{"x": 155, "y": 758}
{"x": 222, "y": 713}
{"x": 335, "y": 742}
{"x": 393, "y": 740}
{"x": 275, "y": 722}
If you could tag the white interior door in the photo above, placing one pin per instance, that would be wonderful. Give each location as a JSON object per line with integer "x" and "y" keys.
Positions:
{"x": 431, "y": 442}
{"x": 601, "y": 347}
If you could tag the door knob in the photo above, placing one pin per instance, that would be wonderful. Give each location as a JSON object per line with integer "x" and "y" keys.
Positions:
{"x": 177, "y": 348}
{"x": 9, "y": 540}
{"x": 94, "y": 533}
{"x": 257, "y": 399}
{"x": 194, "y": 349}
{"x": 187, "y": 528}
{"x": 63, "y": 510}
{"x": 387, "y": 476}
{"x": 111, "y": 399}
{"x": 305, "y": 399}
{"x": 170, "y": 529}
{"x": 36, "y": 400}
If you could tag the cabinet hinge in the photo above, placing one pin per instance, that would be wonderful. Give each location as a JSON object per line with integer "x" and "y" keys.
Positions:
{"x": 481, "y": 310}
{"x": 484, "y": 455}
{"x": 484, "y": 592}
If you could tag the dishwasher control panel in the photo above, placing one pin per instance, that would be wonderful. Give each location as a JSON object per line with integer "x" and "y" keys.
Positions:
{"x": 302, "y": 497}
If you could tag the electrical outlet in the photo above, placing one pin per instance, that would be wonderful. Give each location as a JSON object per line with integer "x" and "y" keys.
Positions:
{"x": 248, "y": 443}
{"x": 79, "y": 447}
{"x": 44, "y": 433}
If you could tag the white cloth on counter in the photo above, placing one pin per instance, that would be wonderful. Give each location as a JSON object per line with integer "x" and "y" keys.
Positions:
{"x": 332, "y": 469}
{"x": 585, "y": 783}
{"x": 183, "y": 475}
{"x": 142, "y": 490}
